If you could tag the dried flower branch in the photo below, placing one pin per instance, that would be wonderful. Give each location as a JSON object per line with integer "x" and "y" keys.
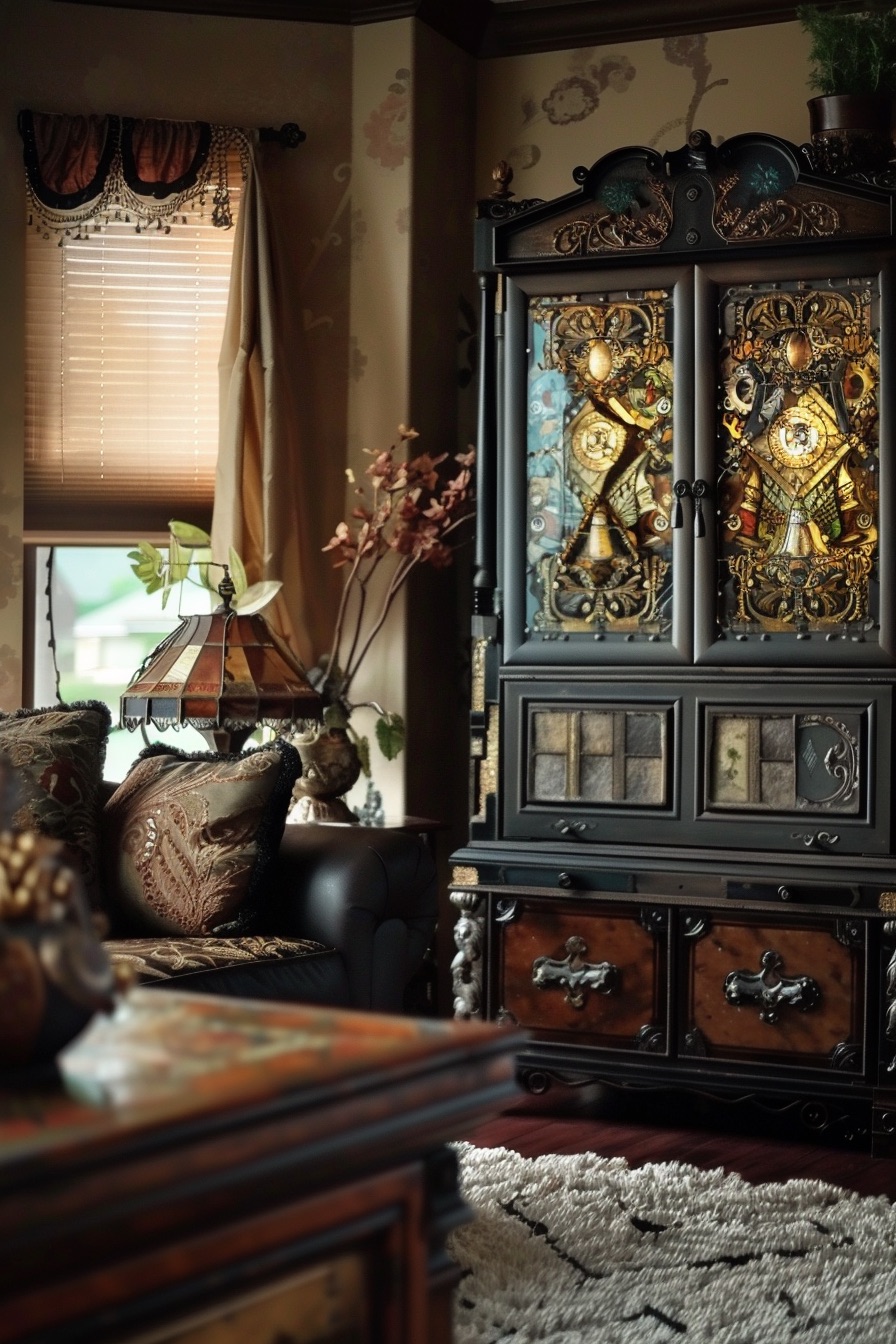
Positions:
{"x": 405, "y": 517}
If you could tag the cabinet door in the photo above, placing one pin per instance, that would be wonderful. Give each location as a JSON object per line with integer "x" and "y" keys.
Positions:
{"x": 788, "y": 441}
{"x": 739, "y": 761}
{"x": 584, "y": 973}
{"x": 596, "y": 428}
{"x": 762, "y": 991}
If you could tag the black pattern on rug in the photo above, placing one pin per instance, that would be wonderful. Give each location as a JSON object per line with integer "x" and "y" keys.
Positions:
{"x": 586, "y": 1250}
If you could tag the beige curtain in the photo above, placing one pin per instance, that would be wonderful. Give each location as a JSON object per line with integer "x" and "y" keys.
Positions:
{"x": 265, "y": 501}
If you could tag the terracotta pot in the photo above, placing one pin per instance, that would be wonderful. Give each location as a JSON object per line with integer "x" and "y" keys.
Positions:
{"x": 851, "y": 133}
{"x": 330, "y": 766}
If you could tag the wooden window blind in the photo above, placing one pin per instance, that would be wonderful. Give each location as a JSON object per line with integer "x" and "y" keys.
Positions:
{"x": 123, "y": 337}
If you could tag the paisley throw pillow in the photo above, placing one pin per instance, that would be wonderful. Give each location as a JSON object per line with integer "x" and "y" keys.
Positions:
{"x": 189, "y": 839}
{"x": 58, "y": 755}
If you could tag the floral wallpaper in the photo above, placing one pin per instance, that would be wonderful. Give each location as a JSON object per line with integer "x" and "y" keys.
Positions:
{"x": 387, "y": 128}
{"x": 546, "y": 113}
{"x": 379, "y": 327}
{"x": 10, "y": 549}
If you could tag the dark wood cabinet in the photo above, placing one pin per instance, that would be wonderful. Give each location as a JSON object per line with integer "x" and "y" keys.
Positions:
{"x": 203, "y": 1168}
{"x": 681, "y": 865}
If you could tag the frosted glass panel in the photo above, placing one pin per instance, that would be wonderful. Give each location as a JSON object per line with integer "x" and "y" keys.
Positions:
{"x": 807, "y": 763}
{"x": 608, "y": 756}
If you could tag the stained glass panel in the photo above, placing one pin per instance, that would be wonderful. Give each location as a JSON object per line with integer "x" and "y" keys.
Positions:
{"x": 599, "y": 463}
{"x": 798, "y": 436}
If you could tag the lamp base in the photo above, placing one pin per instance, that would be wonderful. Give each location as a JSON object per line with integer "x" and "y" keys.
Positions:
{"x": 225, "y": 742}
{"x": 322, "y": 810}
{"x": 330, "y": 766}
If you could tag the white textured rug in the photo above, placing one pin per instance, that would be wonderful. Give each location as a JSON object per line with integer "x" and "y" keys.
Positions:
{"x": 586, "y": 1250}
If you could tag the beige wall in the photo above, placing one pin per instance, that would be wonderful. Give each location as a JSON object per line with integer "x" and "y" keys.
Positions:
{"x": 383, "y": 87}
{"x": 545, "y": 114}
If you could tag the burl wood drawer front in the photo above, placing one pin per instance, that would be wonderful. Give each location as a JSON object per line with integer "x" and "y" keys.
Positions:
{"x": 596, "y": 978}
{"x": 767, "y": 993}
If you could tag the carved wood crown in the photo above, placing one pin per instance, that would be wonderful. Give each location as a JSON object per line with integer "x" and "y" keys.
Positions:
{"x": 751, "y": 189}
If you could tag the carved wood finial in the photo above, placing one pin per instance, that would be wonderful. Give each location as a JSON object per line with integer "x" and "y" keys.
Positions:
{"x": 502, "y": 176}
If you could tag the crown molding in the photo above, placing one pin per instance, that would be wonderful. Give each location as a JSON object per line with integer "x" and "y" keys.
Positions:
{"x": 490, "y": 28}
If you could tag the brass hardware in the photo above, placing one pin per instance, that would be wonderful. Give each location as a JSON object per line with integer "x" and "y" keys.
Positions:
{"x": 464, "y": 877}
{"x": 886, "y": 901}
{"x": 488, "y": 765}
{"x": 477, "y": 690}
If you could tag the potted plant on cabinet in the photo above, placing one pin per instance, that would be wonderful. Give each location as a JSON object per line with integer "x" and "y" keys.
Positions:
{"x": 852, "y": 69}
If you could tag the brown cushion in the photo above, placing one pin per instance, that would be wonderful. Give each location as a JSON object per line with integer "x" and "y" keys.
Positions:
{"x": 288, "y": 970}
{"x": 58, "y": 755}
{"x": 189, "y": 839}
{"x": 151, "y": 959}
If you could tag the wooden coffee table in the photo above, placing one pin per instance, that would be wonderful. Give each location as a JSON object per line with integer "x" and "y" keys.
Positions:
{"x": 210, "y": 1169}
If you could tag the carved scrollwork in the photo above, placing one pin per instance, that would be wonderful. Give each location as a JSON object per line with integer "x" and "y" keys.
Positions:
{"x": 650, "y": 1039}
{"x": 535, "y": 1081}
{"x": 695, "y": 926}
{"x": 850, "y": 932}
{"x": 499, "y": 210}
{"x": 773, "y": 217}
{"x": 846, "y": 1056}
{"x": 632, "y": 225}
{"x": 890, "y": 1007}
{"x": 654, "y": 920}
{"x": 574, "y": 974}
{"x": 770, "y": 990}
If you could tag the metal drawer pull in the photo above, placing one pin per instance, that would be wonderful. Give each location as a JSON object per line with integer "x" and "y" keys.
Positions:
{"x": 575, "y": 975}
{"x": 771, "y": 991}
{"x": 574, "y": 828}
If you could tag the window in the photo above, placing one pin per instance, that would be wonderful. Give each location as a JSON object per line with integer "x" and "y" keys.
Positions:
{"x": 125, "y": 313}
{"x": 104, "y": 625}
{"x": 123, "y": 334}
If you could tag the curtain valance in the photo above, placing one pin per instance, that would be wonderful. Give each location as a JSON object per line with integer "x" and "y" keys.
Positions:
{"x": 84, "y": 170}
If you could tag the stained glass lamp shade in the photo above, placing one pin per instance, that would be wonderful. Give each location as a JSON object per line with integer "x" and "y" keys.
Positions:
{"x": 225, "y": 674}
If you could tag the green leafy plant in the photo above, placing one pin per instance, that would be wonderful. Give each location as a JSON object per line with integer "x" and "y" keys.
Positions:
{"x": 851, "y": 53}
{"x": 189, "y": 559}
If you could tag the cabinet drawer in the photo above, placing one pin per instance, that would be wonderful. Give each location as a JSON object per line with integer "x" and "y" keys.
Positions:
{"x": 757, "y": 991}
{"x": 596, "y": 977}
{"x": 749, "y": 764}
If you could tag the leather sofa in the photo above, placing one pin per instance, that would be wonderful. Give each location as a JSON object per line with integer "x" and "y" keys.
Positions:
{"x": 197, "y": 882}
{"x": 350, "y": 918}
